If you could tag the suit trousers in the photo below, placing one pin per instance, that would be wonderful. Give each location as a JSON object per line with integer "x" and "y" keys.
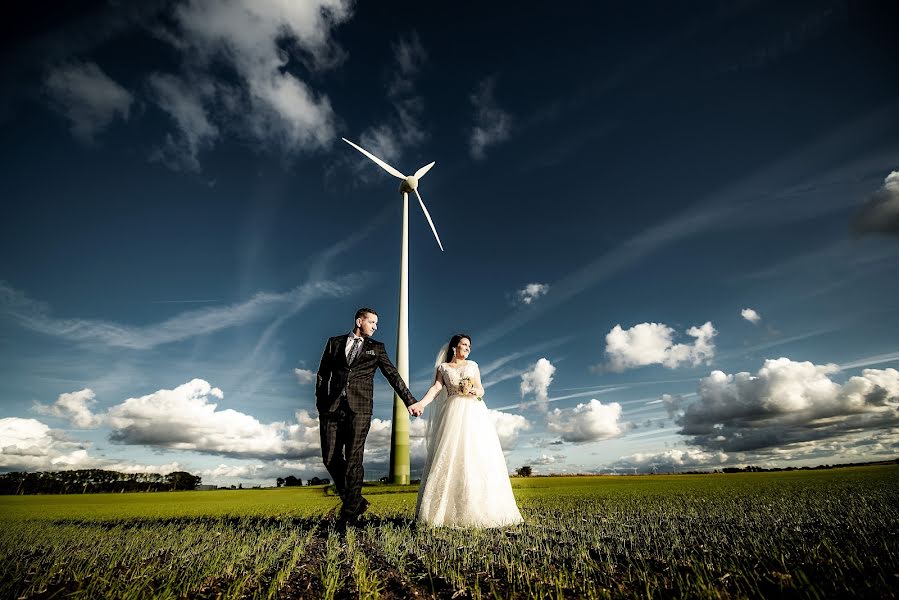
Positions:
{"x": 343, "y": 434}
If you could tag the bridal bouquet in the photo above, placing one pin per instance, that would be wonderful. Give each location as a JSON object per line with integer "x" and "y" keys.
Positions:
{"x": 466, "y": 384}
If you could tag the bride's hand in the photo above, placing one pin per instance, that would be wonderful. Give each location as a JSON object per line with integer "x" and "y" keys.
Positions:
{"x": 415, "y": 409}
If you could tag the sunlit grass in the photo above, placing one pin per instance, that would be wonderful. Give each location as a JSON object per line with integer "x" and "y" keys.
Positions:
{"x": 812, "y": 533}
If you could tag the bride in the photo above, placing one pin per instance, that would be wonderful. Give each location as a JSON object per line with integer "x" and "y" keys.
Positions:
{"x": 465, "y": 481}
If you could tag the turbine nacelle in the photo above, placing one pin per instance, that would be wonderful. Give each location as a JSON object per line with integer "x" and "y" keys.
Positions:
{"x": 409, "y": 185}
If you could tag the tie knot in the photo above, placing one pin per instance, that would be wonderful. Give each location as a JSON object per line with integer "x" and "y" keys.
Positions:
{"x": 354, "y": 350}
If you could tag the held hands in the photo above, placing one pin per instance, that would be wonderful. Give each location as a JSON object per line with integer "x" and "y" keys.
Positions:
{"x": 416, "y": 409}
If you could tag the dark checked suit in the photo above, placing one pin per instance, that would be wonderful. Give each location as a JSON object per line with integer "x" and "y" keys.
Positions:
{"x": 343, "y": 396}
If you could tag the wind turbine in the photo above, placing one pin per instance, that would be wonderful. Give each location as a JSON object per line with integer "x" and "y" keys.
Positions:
{"x": 399, "y": 436}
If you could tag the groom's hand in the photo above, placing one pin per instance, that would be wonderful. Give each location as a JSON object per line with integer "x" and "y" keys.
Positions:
{"x": 415, "y": 409}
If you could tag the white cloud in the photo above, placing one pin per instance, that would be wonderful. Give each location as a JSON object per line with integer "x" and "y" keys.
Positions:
{"x": 410, "y": 57}
{"x": 857, "y": 446}
{"x": 29, "y": 445}
{"x": 586, "y": 422}
{"x": 673, "y": 460}
{"x": 651, "y": 343}
{"x": 508, "y": 427}
{"x": 35, "y": 315}
{"x": 74, "y": 406}
{"x": 531, "y": 292}
{"x": 87, "y": 97}
{"x": 404, "y": 128}
{"x": 537, "y": 380}
{"x": 492, "y": 125}
{"x": 379, "y": 433}
{"x": 305, "y": 376}
{"x": 185, "y": 419}
{"x": 881, "y": 213}
{"x": 268, "y": 471}
{"x": 751, "y": 315}
{"x": 183, "y": 102}
{"x": 549, "y": 459}
{"x": 786, "y": 402}
{"x": 377, "y": 446}
{"x": 263, "y": 42}
{"x": 123, "y": 467}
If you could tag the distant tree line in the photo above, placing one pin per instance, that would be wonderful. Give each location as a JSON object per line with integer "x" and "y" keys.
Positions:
{"x": 93, "y": 481}
{"x": 752, "y": 469}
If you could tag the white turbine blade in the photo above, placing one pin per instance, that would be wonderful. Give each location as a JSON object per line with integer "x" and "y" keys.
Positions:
{"x": 421, "y": 172}
{"x": 383, "y": 164}
{"x": 428, "y": 217}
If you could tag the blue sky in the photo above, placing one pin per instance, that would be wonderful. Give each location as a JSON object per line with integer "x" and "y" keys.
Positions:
{"x": 670, "y": 230}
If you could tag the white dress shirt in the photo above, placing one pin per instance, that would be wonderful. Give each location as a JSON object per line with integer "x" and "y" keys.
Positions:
{"x": 349, "y": 343}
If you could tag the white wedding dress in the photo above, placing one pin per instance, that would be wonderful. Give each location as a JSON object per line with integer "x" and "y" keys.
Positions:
{"x": 465, "y": 481}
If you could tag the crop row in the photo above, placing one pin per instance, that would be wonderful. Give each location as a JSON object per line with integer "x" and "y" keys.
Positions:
{"x": 761, "y": 537}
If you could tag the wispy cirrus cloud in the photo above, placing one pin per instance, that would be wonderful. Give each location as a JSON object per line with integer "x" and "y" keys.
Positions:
{"x": 784, "y": 191}
{"x": 592, "y": 392}
{"x": 492, "y": 125}
{"x": 785, "y": 39}
{"x": 403, "y": 128}
{"x": 493, "y": 371}
{"x": 87, "y": 97}
{"x": 877, "y": 359}
{"x": 183, "y": 102}
{"x": 36, "y": 316}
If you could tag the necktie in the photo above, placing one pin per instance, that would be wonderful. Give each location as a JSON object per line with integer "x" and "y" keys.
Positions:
{"x": 354, "y": 351}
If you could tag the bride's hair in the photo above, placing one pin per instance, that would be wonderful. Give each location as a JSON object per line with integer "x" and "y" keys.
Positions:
{"x": 454, "y": 341}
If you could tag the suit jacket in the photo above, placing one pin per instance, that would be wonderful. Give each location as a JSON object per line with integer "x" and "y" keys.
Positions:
{"x": 336, "y": 377}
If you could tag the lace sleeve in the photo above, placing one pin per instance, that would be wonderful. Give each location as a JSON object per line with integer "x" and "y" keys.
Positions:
{"x": 476, "y": 377}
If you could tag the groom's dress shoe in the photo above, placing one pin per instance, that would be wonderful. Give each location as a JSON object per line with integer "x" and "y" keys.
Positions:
{"x": 351, "y": 517}
{"x": 340, "y": 526}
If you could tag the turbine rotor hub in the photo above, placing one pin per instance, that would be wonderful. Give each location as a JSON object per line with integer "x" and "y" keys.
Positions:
{"x": 409, "y": 185}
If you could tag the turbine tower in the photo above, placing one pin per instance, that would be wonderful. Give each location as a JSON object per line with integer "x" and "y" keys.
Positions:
{"x": 399, "y": 436}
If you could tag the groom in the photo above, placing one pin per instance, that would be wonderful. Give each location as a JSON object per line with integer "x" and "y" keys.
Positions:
{"x": 343, "y": 397}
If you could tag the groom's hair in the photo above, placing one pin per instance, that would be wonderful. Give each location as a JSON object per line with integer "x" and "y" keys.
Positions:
{"x": 360, "y": 314}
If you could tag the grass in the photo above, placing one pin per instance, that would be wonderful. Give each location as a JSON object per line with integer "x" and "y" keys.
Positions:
{"x": 805, "y": 533}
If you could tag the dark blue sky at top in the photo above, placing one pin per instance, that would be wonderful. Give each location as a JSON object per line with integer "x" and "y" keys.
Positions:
{"x": 664, "y": 163}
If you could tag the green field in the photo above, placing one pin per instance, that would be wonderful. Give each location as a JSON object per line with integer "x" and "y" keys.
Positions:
{"x": 808, "y": 533}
